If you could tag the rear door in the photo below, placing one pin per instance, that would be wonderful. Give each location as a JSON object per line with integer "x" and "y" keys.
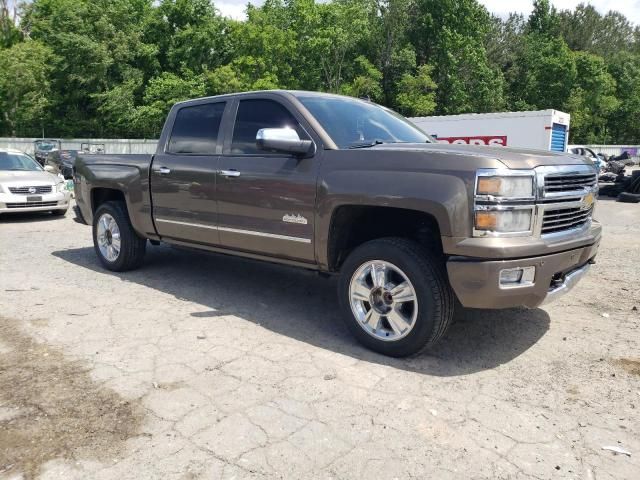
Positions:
{"x": 183, "y": 176}
{"x": 266, "y": 200}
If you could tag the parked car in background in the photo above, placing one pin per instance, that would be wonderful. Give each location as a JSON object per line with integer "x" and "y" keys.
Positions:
{"x": 61, "y": 161}
{"x": 27, "y": 187}
{"x": 92, "y": 148}
{"x": 349, "y": 188}
{"x": 43, "y": 147}
{"x": 587, "y": 152}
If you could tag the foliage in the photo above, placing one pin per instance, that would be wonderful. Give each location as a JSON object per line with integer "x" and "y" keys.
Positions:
{"x": 115, "y": 67}
{"x": 416, "y": 95}
{"x": 543, "y": 73}
{"x": 366, "y": 84}
{"x": 592, "y": 99}
{"x": 449, "y": 34}
{"x": 24, "y": 83}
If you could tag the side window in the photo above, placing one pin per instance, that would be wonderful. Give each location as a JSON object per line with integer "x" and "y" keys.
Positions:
{"x": 195, "y": 130}
{"x": 256, "y": 114}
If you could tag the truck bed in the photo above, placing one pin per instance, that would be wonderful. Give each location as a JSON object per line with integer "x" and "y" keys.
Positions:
{"x": 123, "y": 175}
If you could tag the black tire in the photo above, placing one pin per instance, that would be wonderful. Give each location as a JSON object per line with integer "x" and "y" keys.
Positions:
{"x": 132, "y": 246}
{"x": 626, "y": 197}
{"x": 59, "y": 213}
{"x": 426, "y": 272}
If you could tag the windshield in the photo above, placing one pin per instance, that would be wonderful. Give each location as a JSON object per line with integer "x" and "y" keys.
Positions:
{"x": 18, "y": 162}
{"x": 352, "y": 123}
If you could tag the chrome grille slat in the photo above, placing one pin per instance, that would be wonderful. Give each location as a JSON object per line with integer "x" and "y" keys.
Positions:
{"x": 572, "y": 178}
{"x": 561, "y": 221}
{"x": 39, "y": 189}
{"x": 570, "y": 182}
{"x": 562, "y": 197}
{"x": 558, "y": 220}
{"x": 31, "y": 204}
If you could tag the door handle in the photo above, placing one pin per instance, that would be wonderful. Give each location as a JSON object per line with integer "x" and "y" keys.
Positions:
{"x": 229, "y": 173}
{"x": 162, "y": 170}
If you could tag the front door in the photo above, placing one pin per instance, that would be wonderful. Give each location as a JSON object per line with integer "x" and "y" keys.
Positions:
{"x": 266, "y": 200}
{"x": 183, "y": 177}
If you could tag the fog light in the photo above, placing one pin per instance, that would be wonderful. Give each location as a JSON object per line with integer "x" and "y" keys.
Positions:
{"x": 517, "y": 277}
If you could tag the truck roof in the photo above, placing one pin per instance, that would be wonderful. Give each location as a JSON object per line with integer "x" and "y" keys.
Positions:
{"x": 294, "y": 93}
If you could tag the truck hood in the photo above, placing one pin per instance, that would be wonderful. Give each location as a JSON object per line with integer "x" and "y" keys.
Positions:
{"x": 29, "y": 178}
{"x": 517, "y": 158}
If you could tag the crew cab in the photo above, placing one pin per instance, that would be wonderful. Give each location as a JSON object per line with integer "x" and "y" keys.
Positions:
{"x": 350, "y": 188}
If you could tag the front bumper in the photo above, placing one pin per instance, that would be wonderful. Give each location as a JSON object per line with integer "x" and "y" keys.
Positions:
{"x": 477, "y": 283}
{"x": 11, "y": 203}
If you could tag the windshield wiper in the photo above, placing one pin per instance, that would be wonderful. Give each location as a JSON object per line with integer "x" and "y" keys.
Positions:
{"x": 372, "y": 143}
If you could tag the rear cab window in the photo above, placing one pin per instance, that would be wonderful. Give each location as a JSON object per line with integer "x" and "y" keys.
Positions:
{"x": 196, "y": 129}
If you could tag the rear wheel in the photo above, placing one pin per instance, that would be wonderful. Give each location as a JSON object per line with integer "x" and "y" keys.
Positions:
{"x": 116, "y": 243}
{"x": 395, "y": 296}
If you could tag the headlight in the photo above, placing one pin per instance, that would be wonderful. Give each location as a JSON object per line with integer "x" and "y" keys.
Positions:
{"x": 510, "y": 186}
{"x": 61, "y": 187}
{"x": 504, "y": 221}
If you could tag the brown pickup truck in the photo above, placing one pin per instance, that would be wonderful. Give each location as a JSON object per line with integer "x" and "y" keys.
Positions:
{"x": 347, "y": 187}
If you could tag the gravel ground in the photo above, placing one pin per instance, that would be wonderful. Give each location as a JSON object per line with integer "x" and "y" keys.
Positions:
{"x": 206, "y": 366}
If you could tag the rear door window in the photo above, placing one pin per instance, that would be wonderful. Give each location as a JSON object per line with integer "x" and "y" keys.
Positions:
{"x": 256, "y": 114}
{"x": 196, "y": 128}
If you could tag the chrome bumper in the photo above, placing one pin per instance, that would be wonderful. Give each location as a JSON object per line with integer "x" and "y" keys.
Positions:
{"x": 60, "y": 201}
{"x": 570, "y": 281}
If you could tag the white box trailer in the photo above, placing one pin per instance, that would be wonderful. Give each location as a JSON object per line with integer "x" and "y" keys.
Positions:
{"x": 541, "y": 130}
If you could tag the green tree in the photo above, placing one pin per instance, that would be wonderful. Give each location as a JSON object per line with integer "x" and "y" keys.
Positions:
{"x": 243, "y": 74}
{"x": 585, "y": 29}
{"x": 9, "y": 34}
{"x": 366, "y": 83}
{"x": 543, "y": 74}
{"x": 416, "y": 95}
{"x": 623, "y": 124}
{"x": 503, "y": 41}
{"x": 592, "y": 100}
{"x": 450, "y": 35}
{"x": 188, "y": 34}
{"x": 159, "y": 95}
{"x": 24, "y": 88}
{"x": 544, "y": 18}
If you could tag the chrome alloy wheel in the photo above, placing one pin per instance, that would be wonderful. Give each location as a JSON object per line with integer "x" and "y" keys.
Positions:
{"x": 383, "y": 300}
{"x": 108, "y": 234}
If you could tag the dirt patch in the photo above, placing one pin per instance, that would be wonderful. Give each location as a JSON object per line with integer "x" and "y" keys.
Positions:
{"x": 52, "y": 409}
{"x": 630, "y": 365}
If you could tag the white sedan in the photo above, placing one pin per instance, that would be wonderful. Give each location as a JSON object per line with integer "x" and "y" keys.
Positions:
{"x": 26, "y": 187}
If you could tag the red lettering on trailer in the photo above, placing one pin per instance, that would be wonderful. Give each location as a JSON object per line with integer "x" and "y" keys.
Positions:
{"x": 493, "y": 140}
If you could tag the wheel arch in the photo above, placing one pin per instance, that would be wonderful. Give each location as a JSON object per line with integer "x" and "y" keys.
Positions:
{"x": 352, "y": 225}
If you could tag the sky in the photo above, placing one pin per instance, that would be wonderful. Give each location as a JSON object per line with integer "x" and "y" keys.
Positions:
{"x": 630, "y": 8}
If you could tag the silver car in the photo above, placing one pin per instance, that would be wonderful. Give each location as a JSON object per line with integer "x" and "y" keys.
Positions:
{"x": 26, "y": 187}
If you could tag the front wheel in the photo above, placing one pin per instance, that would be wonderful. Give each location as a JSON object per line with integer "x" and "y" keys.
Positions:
{"x": 395, "y": 296}
{"x": 116, "y": 243}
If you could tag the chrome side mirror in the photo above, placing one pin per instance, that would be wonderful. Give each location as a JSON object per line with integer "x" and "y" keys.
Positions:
{"x": 283, "y": 140}
{"x": 49, "y": 168}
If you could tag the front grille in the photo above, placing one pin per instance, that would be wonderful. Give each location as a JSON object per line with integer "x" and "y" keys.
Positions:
{"x": 25, "y": 190}
{"x": 31, "y": 204}
{"x": 560, "y": 183}
{"x": 562, "y": 219}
